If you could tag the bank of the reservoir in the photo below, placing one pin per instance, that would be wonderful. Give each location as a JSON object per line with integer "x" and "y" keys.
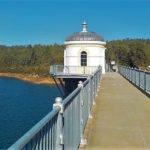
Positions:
{"x": 30, "y": 78}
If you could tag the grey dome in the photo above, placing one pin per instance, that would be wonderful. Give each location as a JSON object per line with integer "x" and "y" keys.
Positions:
{"x": 84, "y": 36}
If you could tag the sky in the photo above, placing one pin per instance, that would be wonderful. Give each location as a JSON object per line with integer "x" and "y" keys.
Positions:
{"x": 45, "y": 22}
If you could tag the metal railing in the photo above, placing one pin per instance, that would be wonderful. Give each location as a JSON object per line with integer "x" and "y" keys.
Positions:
{"x": 72, "y": 70}
{"x": 138, "y": 77}
{"x": 63, "y": 127}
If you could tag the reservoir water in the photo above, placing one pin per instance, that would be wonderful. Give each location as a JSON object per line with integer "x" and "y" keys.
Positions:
{"x": 22, "y": 105}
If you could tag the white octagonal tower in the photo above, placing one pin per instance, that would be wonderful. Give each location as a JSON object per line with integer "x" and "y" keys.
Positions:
{"x": 84, "y": 52}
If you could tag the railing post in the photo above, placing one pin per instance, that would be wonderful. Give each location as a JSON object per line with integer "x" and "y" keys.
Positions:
{"x": 89, "y": 98}
{"x": 132, "y": 75}
{"x": 83, "y": 140}
{"x": 145, "y": 81}
{"x": 139, "y": 80}
{"x": 135, "y": 75}
{"x": 59, "y": 135}
{"x": 100, "y": 76}
{"x": 96, "y": 84}
{"x": 97, "y": 76}
{"x": 94, "y": 103}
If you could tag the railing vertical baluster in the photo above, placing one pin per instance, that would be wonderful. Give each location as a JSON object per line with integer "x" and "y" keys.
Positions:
{"x": 46, "y": 142}
{"x": 94, "y": 90}
{"x": 38, "y": 146}
{"x": 49, "y": 135}
{"x": 83, "y": 141}
{"x": 139, "y": 78}
{"x": 59, "y": 124}
{"x": 35, "y": 143}
{"x": 135, "y": 75}
{"x": 129, "y": 73}
{"x": 95, "y": 84}
{"x": 92, "y": 85}
{"x": 144, "y": 81}
{"x": 40, "y": 143}
{"x": 89, "y": 97}
{"x": 42, "y": 139}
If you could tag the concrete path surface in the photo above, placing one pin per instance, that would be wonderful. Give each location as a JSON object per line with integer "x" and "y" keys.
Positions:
{"x": 121, "y": 117}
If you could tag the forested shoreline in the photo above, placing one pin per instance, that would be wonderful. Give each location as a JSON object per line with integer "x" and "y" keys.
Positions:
{"x": 35, "y": 60}
{"x": 129, "y": 52}
{"x": 38, "y": 58}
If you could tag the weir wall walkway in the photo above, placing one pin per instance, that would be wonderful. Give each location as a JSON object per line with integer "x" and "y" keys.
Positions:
{"x": 121, "y": 117}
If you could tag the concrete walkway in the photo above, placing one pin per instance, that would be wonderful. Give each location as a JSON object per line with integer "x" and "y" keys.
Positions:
{"x": 121, "y": 118}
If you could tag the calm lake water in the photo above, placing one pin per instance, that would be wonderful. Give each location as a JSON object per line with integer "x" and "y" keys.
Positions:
{"x": 22, "y": 105}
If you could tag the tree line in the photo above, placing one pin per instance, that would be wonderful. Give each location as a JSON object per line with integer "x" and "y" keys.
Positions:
{"x": 38, "y": 58}
{"x": 129, "y": 52}
{"x": 30, "y": 59}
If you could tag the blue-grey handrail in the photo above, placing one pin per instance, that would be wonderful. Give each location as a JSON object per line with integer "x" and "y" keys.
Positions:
{"x": 71, "y": 95}
{"x": 138, "y": 77}
{"x": 63, "y": 127}
{"x": 33, "y": 131}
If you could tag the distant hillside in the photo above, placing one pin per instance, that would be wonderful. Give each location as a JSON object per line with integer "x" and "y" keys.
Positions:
{"x": 129, "y": 52}
{"x": 30, "y": 59}
{"x": 37, "y": 59}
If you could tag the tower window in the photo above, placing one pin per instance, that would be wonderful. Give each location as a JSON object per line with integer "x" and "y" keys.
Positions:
{"x": 83, "y": 58}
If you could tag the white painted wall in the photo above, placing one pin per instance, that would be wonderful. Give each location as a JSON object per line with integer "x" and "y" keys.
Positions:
{"x": 95, "y": 53}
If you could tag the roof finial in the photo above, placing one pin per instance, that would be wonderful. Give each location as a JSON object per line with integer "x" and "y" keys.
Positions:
{"x": 84, "y": 27}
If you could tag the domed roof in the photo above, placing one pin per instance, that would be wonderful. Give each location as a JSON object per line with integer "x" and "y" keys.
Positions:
{"x": 84, "y": 35}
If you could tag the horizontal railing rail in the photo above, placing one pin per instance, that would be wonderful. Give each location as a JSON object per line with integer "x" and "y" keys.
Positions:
{"x": 139, "y": 78}
{"x": 72, "y": 70}
{"x": 63, "y": 127}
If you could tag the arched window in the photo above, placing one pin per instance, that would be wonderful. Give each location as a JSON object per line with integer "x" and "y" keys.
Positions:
{"x": 83, "y": 58}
